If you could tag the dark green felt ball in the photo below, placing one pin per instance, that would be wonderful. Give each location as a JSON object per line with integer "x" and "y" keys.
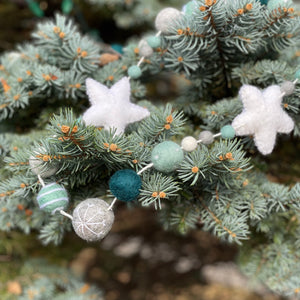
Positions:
{"x": 125, "y": 185}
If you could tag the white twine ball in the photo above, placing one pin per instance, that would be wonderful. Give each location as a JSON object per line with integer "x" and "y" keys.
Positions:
{"x": 92, "y": 220}
{"x": 165, "y": 17}
{"x": 37, "y": 167}
{"x": 144, "y": 48}
{"x": 189, "y": 144}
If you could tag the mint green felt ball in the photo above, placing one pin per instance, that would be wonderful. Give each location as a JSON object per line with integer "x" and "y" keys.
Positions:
{"x": 227, "y": 132}
{"x": 274, "y": 4}
{"x": 153, "y": 41}
{"x": 297, "y": 75}
{"x": 52, "y": 197}
{"x": 166, "y": 156}
{"x": 189, "y": 8}
{"x": 134, "y": 72}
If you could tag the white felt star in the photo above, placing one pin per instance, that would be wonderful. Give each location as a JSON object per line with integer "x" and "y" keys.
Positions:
{"x": 111, "y": 108}
{"x": 262, "y": 116}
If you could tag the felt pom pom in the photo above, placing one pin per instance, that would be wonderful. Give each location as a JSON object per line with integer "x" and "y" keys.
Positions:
{"x": 52, "y": 197}
{"x": 189, "y": 144}
{"x": 92, "y": 220}
{"x": 145, "y": 49}
{"x": 125, "y": 185}
{"x": 134, "y": 72}
{"x": 37, "y": 168}
{"x": 165, "y": 18}
{"x": 206, "y": 137}
{"x": 227, "y": 132}
{"x": 287, "y": 88}
{"x": 153, "y": 41}
{"x": 166, "y": 156}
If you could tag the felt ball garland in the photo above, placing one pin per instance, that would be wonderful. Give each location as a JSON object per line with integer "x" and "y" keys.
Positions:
{"x": 93, "y": 218}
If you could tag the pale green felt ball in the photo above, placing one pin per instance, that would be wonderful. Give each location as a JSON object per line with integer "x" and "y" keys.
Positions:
{"x": 227, "y": 132}
{"x": 297, "y": 75}
{"x": 52, "y": 197}
{"x": 274, "y": 4}
{"x": 153, "y": 41}
{"x": 166, "y": 156}
{"x": 190, "y": 7}
{"x": 134, "y": 72}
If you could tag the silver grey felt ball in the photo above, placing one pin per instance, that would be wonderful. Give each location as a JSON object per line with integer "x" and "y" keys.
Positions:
{"x": 165, "y": 17}
{"x": 145, "y": 49}
{"x": 92, "y": 220}
{"x": 206, "y": 137}
{"x": 287, "y": 87}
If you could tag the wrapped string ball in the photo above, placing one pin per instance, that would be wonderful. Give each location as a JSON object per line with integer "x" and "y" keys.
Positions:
{"x": 166, "y": 156}
{"x": 92, "y": 220}
{"x": 125, "y": 185}
{"x": 53, "y": 197}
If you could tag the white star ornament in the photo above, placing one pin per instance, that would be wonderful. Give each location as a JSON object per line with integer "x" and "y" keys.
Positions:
{"x": 111, "y": 108}
{"x": 262, "y": 116}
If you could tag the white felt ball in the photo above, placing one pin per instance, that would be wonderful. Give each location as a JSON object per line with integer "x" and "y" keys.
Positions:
{"x": 37, "y": 167}
{"x": 145, "y": 49}
{"x": 165, "y": 17}
{"x": 189, "y": 144}
{"x": 206, "y": 137}
{"x": 92, "y": 220}
{"x": 287, "y": 87}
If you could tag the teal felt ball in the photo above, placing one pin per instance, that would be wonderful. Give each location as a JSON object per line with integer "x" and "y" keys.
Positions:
{"x": 153, "y": 41}
{"x": 67, "y": 6}
{"x": 134, "y": 72}
{"x": 117, "y": 47}
{"x": 125, "y": 185}
{"x": 227, "y": 132}
{"x": 52, "y": 197}
{"x": 166, "y": 156}
{"x": 264, "y": 2}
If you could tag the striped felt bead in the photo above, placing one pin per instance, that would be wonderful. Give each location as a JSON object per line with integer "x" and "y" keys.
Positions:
{"x": 52, "y": 197}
